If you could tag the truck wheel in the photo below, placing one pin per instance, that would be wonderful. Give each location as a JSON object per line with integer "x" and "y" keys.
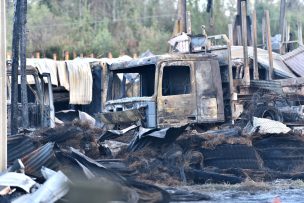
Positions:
{"x": 268, "y": 112}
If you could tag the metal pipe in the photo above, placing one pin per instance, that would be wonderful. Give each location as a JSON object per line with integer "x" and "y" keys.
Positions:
{"x": 3, "y": 90}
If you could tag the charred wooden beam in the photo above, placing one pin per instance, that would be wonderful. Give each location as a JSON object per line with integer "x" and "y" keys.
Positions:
{"x": 244, "y": 42}
{"x": 255, "y": 51}
{"x": 15, "y": 65}
{"x": 282, "y": 21}
{"x": 24, "y": 100}
{"x": 269, "y": 45}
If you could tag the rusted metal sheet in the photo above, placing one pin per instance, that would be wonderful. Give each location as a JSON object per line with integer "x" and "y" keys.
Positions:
{"x": 43, "y": 156}
{"x": 127, "y": 116}
{"x": 295, "y": 61}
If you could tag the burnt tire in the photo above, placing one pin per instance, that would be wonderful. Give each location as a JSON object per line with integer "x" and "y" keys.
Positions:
{"x": 234, "y": 163}
{"x": 201, "y": 177}
{"x": 229, "y": 151}
{"x": 285, "y": 164}
{"x": 232, "y": 156}
{"x": 281, "y": 152}
{"x": 269, "y": 112}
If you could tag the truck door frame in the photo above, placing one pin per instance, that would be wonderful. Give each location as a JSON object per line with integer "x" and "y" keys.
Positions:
{"x": 177, "y": 109}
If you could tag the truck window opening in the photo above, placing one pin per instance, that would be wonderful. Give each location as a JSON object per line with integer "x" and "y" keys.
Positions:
{"x": 176, "y": 80}
{"x": 134, "y": 82}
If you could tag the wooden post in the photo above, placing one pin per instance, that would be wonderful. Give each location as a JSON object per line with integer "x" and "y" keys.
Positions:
{"x": 110, "y": 56}
{"x": 66, "y": 55}
{"x": 255, "y": 51}
{"x": 3, "y": 90}
{"x": 55, "y": 57}
{"x": 8, "y": 56}
{"x": 244, "y": 40}
{"x": 264, "y": 34}
{"x": 184, "y": 15}
{"x": 38, "y": 55}
{"x": 269, "y": 45}
{"x": 189, "y": 25}
{"x": 230, "y": 30}
{"x": 24, "y": 100}
{"x": 282, "y": 18}
{"x": 74, "y": 55}
{"x": 300, "y": 36}
{"x": 239, "y": 35}
{"x": 230, "y": 34}
{"x": 286, "y": 36}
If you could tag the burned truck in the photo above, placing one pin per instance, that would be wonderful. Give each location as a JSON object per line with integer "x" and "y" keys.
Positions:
{"x": 40, "y": 98}
{"x": 195, "y": 84}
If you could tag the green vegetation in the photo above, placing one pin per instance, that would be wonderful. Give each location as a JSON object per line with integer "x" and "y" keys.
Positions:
{"x": 127, "y": 26}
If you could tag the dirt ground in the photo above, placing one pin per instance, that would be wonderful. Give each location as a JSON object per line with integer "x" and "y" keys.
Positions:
{"x": 279, "y": 191}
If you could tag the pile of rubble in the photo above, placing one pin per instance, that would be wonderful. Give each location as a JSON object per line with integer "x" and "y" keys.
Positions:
{"x": 78, "y": 163}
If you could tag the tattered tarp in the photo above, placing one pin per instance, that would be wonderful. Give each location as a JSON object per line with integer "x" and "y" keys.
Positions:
{"x": 45, "y": 66}
{"x": 279, "y": 66}
{"x": 81, "y": 82}
{"x": 295, "y": 60}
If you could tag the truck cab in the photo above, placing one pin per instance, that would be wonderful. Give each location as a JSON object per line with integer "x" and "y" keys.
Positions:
{"x": 40, "y": 99}
{"x": 165, "y": 90}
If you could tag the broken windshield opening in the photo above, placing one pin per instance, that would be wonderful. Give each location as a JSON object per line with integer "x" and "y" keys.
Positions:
{"x": 133, "y": 82}
{"x": 176, "y": 80}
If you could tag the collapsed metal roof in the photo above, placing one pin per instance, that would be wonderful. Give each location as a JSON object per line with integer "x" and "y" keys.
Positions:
{"x": 295, "y": 60}
{"x": 152, "y": 60}
{"x": 279, "y": 66}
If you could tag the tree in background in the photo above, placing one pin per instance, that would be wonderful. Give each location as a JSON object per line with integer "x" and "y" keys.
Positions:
{"x": 128, "y": 26}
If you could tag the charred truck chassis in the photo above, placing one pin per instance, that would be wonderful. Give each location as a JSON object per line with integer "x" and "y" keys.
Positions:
{"x": 173, "y": 89}
{"x": 193, "y": 88}
{"x": 40, "y": 97}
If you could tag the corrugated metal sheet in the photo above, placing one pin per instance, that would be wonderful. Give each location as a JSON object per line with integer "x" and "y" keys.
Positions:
{"x": 45, "y": 66}
{"x": 18, "y": 146}
{"x": 81, "y": 82}
{"x": 63, "y": 74}
{"x": 295, "y": 60}
{"x": 43, "y": 156}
